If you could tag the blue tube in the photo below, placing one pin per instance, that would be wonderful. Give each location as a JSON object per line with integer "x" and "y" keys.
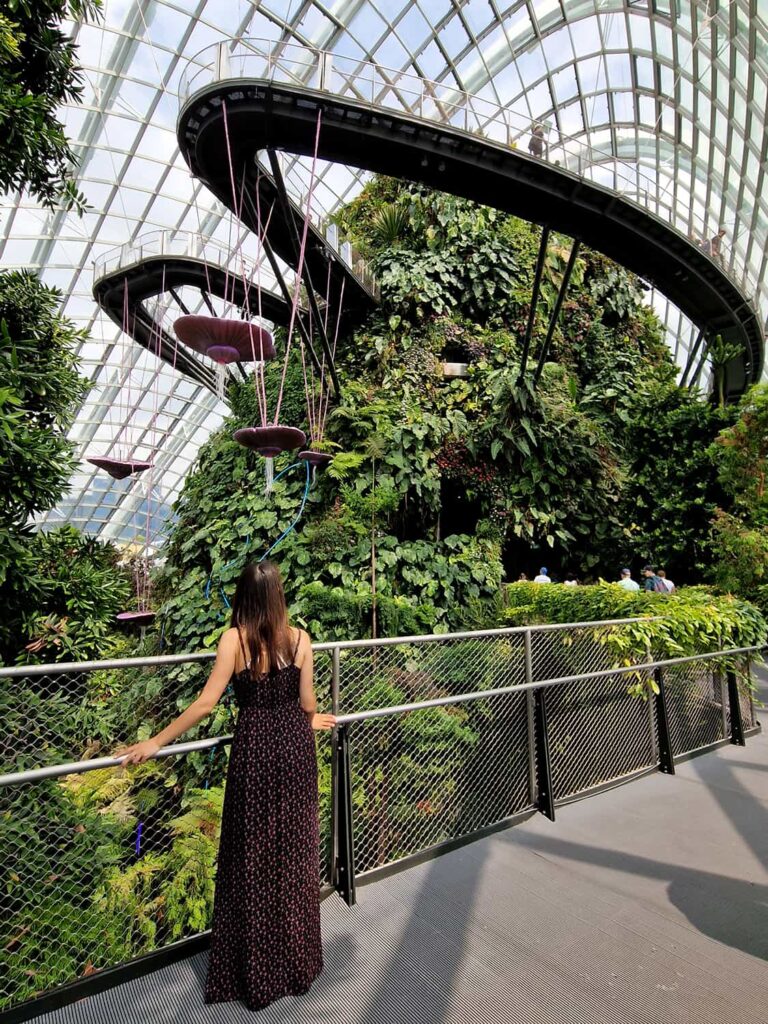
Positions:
{"x": 285, "y": 533}
{"x": 279, "y": 540}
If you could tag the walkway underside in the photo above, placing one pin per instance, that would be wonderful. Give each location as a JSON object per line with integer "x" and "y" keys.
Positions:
{"x": 261, "y": 115}
{"x": 643, "y": 905}
{"x": 154, "y": 277}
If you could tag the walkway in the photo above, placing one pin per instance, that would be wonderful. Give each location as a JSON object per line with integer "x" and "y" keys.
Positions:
{"x": 399, "y": 127}
{"x": 647, "y": 904}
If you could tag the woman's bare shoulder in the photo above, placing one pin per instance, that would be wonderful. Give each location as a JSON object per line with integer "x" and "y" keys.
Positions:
{"x": 229, "y": 640}
{"x": 301, "y": 641}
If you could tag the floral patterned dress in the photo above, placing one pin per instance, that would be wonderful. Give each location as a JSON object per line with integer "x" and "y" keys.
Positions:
{"x": 265, "y": 941}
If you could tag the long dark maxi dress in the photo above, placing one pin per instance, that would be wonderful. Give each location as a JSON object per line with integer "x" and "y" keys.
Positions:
{"x": 265, "y": 941}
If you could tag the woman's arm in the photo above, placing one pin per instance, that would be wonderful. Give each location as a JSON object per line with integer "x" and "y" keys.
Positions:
{"x": 217, "y": 682}
{"x": 307, "y": 697}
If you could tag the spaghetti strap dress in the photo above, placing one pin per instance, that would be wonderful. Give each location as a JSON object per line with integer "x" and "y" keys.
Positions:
{"x": 265, "y": 938}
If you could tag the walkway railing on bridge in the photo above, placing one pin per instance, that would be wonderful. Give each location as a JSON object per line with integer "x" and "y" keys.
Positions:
{"x": 388, "y": 89}
{"x": 440, "y": 739}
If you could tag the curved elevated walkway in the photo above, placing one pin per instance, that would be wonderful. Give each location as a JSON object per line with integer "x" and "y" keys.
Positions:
{"x": 642, "y": 905}
{"x": 265, "y": 113}
{"x": 148, "y": 275}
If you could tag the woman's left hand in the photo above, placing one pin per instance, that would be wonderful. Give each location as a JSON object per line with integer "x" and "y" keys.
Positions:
{"x": 323, "y": 722}
{"x": 137, "y": 752}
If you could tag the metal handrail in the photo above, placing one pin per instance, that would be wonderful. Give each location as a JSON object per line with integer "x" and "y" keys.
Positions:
{"x": 543, "y": 684}
{"x": 366, "y": 83}
{"x": 62, "y": 668}
{"x": 98, "y": 763}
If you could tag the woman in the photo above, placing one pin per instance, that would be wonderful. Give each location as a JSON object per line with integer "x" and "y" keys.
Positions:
{"x": 265, "y": 941}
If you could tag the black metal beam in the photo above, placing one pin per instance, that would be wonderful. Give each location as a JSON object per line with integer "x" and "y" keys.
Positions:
{"x": 178, "y": 301}
{"x": 556, "y": 311}
{"x": 699, "y": 369}
{"x": 534, "y": 301}
{"x": 287, "y": 211}
{"x": 207, "y": 301}
{"x": 691, "y": 356}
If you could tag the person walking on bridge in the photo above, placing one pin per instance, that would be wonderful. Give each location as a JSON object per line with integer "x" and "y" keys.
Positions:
{"x": 265, "y": 939}
{"x": 536, "y": 142}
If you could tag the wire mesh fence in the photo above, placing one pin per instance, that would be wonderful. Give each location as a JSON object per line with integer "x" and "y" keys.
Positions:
{"x": 695, "y": 706}
{"x": 105, "y": 864}
{"x": 597, "y": 734}
{"x": 422, "y": 777}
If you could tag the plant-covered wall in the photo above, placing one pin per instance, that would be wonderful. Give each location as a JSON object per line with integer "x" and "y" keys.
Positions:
{"x": 443, "y": 487}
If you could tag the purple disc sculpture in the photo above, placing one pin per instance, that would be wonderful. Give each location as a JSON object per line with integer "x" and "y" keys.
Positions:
{"x": 213, "y": 334}
{"x": 223, "y": 354}
{"x": 316, "y": 458}
{"x": 270, "y": 441}
{"x": 135, "y": 618}
{"x": 119, "y": 468}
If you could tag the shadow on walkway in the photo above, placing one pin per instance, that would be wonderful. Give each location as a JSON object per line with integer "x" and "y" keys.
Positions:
{"x": 729, "y": 910}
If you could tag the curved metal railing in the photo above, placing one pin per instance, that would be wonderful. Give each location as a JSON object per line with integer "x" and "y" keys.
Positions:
{"x": 374, "y": 86}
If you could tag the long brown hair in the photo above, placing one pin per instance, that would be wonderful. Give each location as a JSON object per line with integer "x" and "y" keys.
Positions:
{"x": 260, "y": 614}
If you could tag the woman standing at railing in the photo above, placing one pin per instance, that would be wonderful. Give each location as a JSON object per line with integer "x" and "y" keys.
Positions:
{"x": 265, "y": 941}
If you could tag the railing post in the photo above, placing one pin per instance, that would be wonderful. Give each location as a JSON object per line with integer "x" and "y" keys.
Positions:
{"x": 345, "y": 859}
{"x": 737, "y": 726}
{"x": 545, "y": 803}
{"x": 222, "y": 69}
{"x": 334, "y": 771}
{"x": 533, "y": 789}
{"x": 720, "y": 681}
{"x": 666, "y": 757}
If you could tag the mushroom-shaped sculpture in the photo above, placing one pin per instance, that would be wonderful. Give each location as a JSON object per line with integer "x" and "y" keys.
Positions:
{"x": 225, "y": 341}
{"x": 270, "y": 441}
{"x": 138, "y": 618}
{"x": 119, "y": 468}
{"x": 316, "y": 458}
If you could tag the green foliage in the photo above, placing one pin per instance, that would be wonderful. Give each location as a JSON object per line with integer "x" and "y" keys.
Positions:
{"x": 740, "y": 453}
{"x": 166, "y": 896}
{"x": 742, "y": 554}
{"x": 688, "y": 621}
{"x": 39, "y": 72}
{"x": 671, "y": 491}
{"x": 56, "y": 934}
{"x": 64, "y": 600}
{"x": 740, "y": 540}
{"x": 41, "y": 392}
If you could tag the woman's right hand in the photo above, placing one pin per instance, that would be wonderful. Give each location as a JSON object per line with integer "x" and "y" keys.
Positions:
{"x": 137, "y": 753}
{"x": 323, "y": 722}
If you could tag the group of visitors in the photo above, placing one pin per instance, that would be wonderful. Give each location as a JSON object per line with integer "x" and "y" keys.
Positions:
{"x": 654, "y": 580}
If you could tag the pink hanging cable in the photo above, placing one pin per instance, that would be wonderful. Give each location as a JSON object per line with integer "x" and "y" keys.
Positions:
{"x": 302, "y": 252}
{"x": 319, "y": 418}
{"x": 236, "y": 203}
{"x": 262, "y": 237}
{"x": 261, "y": 391}
{"x": 157, "y": 335}
{"x": 308, "y": 388}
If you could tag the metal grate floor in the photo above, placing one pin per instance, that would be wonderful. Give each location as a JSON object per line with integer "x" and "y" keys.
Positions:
{"x": 644, "y": 905}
